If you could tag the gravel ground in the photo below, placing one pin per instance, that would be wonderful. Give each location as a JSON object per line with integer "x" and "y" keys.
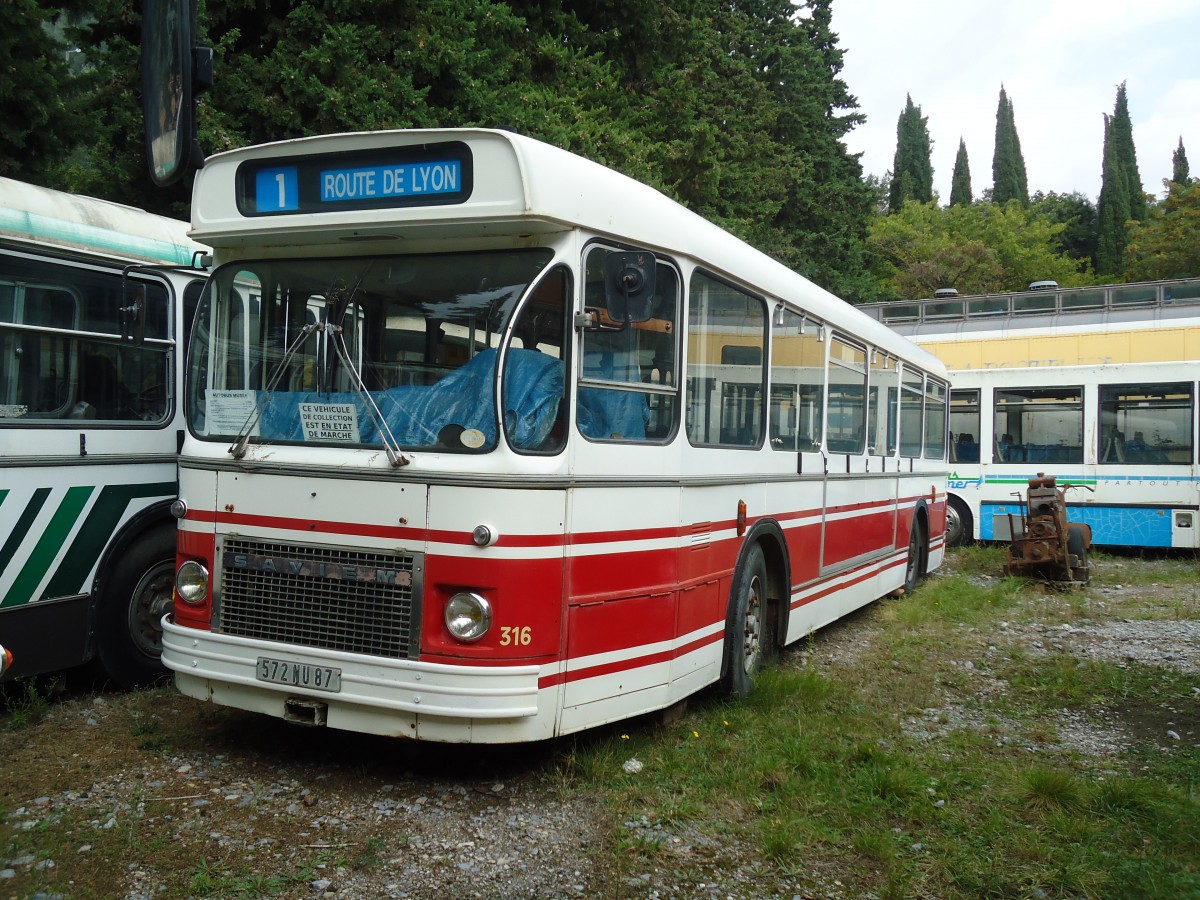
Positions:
{"x": 349, "y": 816}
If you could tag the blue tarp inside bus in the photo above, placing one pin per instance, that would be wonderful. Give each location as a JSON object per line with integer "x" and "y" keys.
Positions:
{"x": 417, "y": 414}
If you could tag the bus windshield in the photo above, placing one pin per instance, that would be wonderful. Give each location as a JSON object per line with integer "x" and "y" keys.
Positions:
{"x": 382, "y": 351}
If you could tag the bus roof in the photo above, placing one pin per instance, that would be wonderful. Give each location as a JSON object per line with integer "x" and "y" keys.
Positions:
{"x": 30, "y": 214}
{"x": 516, "y": 185}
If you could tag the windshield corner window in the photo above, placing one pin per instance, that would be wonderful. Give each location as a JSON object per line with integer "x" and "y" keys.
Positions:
{"x": 534, "y": 384}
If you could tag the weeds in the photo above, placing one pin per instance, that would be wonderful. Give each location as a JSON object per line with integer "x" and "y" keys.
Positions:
{"x": 25, "y": 702}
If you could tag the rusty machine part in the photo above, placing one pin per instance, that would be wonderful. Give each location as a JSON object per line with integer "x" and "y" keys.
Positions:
{"x": 1046, "y": 545}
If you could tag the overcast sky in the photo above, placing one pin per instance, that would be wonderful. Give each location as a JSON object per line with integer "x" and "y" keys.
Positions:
{"x": 1060, "y": 62}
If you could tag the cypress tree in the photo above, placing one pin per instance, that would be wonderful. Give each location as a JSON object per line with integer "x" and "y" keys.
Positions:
{"x": 1112, "y": 209}
{"x": 960, "y": 182}
{"x": 1179, "y": 165}
{"x": 1008, "y": 165}
{"x": 1122, "y": 135}
{"x": 912, "y": 170}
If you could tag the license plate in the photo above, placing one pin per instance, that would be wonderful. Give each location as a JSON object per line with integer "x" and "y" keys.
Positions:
{"x": 294, "y": 674}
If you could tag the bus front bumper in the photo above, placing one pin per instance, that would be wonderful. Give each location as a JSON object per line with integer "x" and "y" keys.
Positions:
{"x": 354, "y": 692}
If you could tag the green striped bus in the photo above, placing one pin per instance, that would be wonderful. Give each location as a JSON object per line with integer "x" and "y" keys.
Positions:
{"x": 94, "y": 299}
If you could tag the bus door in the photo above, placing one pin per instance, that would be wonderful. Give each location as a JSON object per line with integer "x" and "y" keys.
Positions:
{"x": 623, "y": 515}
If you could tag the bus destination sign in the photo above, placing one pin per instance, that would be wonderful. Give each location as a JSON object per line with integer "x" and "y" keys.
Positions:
{"x": 426, "y": 175}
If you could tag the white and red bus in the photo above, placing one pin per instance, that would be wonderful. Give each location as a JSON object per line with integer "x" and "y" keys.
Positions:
{"x": 487, "y": 442}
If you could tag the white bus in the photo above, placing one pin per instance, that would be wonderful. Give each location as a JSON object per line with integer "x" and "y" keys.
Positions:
{"x": 1096, "y": 386}
{"x": 93, "y": 297}
{"x": 489, "y": 443}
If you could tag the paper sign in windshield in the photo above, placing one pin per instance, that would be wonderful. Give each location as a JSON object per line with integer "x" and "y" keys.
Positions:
{"x": 330, "y": 422}
{"x": 229, "y": 411}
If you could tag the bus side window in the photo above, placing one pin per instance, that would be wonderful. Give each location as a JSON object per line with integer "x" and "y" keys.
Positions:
{"x": 847, "y": 392}
{"x": 935, "y": 419}
{"x": 797, "y": 384}
{"x": 725, "y": 360}
{"x": 628, "y": 388}
{"x": 912, "y": 427}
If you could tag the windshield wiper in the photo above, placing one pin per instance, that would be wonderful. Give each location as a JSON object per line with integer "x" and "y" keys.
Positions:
{"x": 238, "y": 449}
{"x": 390, "y": 445}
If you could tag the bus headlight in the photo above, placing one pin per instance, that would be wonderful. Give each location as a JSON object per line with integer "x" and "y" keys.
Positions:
{"x": 191, "y": 582}
{"x": 468, "y": 616}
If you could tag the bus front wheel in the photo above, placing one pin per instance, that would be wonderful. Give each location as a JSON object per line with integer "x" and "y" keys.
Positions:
{"x": 747, "y": 634}
{"x": 129, "y": 614}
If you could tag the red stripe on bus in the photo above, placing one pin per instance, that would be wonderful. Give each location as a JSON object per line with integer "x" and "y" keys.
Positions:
{"x": 625, "y": 665}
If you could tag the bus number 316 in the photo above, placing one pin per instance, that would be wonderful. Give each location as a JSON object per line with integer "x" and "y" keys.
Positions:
{"x": 515, "y": 635}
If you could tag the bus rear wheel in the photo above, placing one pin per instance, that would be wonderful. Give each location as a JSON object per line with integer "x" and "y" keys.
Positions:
{"x": 748, "y": 641}
{"x": 918, "y": 551}
{"x": 129, "y": 615}
{"x": 960, "y": 525}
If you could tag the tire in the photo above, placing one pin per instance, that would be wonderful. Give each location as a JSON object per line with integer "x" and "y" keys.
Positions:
{"x": 130, "y": 609}
{"x": 960, "y": 525}
{"x": 748, "y": 643}
{"x": 918, "y": 550}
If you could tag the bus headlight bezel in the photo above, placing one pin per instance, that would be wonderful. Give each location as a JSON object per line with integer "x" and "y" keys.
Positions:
{"x": 468, "y": 616}
{"x": 191, "y": 582}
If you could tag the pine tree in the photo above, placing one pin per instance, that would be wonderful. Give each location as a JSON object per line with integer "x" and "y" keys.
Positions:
{"x": 912, "y": 169}
{"x": 1179, "y": 165}
{"x": 1009, "y": 181}
{"x": 960, "y": 182}
{"x": 1112, "y": 209}
{"x": 1122, "y": 135}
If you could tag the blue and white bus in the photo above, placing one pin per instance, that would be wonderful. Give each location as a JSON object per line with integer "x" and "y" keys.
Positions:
{"x": 1096, "y": 386}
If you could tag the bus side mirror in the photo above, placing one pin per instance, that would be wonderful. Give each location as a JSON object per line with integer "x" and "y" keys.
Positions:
{"x": 173, "y": 74}
{"x": 629, "y": 285}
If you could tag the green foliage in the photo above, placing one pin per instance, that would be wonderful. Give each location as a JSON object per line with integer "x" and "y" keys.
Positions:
{"x": 912, "y": 168}
{"x": 960, "y": 181}
{"x": 977, "y": 249}
{"x": 1179, "y": 165}
{"x": 736, "y": 110}
{"x": 1112, "y": 209}
{"x": 44, "y": 109}
{"x": 1122, "y": 138}
{"x": 1077, "y": 214}
{"x": 1009, "y": 181}
{"x": 1167, "y": 244}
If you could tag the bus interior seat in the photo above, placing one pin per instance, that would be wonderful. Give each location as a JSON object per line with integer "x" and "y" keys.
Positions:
{"x": 966, "y": 448}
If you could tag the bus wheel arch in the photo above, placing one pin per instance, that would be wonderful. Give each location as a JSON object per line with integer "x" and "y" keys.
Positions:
{"x": 129, "y": 602}
{"x": 756, "y": 614}
{"x": 960, "y": 524}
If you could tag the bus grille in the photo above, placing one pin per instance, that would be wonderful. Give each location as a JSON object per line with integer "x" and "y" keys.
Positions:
{"x": 328, "y": 597}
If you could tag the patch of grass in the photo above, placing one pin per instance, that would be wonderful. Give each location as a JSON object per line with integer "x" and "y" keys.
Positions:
{"x": 211, "y": 879}
{"x": 817, "y": 770}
